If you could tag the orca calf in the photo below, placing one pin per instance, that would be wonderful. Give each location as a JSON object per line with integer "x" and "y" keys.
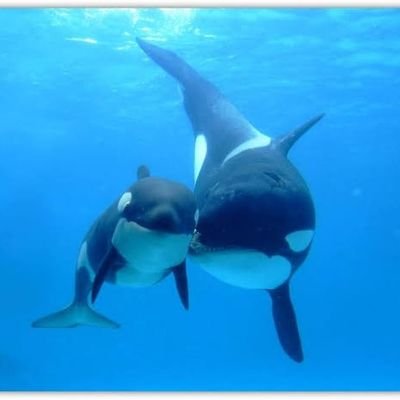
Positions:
{"x": 139, "y": 240}
{"x": 256, "y": 215}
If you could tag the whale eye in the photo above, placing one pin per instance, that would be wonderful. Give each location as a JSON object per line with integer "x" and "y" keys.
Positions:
{"x": 125, "y": 199}
{"x": 300, "y": 240}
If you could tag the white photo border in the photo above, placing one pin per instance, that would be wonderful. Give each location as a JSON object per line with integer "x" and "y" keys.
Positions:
{"x": 200, "y": 4}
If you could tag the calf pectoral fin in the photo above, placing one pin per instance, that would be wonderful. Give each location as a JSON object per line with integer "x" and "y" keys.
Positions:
{"x": 108, "y": 260}
{"x": 285, "y": 322}
{"x": 182, "y": 283}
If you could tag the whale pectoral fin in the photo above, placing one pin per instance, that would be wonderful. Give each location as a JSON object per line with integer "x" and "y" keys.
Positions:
{"x": 181, "y": 283}
{"x": 285, "y": 322}
{"x": 108, "y": 260}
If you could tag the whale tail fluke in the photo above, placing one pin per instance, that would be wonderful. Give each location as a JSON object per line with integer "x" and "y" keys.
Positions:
{"x": 286, "y": 323}
{"x": 75, "y": 315}
{"x": 170, "y": 62}
{"x": 209, "y": 111}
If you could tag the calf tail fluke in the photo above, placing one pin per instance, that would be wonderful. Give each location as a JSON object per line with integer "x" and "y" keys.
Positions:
{"x": 74, "y": 315}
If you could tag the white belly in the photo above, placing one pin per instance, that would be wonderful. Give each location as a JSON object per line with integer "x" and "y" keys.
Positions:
{"x": 148, "y": 253}
{"x": 130, "y": 276}
{"x": 247, "y": 269}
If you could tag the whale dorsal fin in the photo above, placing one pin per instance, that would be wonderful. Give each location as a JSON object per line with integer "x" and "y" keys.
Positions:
{"x": 143, "y": 172}
{"x": 285, "y": 142}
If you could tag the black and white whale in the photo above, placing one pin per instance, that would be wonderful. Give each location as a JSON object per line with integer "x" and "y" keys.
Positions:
{"x": 139, "y": 240}
{"x": 256, "y": 215}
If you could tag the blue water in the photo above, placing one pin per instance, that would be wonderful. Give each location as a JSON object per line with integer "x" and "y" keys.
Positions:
{"x": 82, "y": 107}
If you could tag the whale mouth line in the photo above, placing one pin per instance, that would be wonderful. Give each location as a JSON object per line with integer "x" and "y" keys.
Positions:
{"x": 197, "y": 248}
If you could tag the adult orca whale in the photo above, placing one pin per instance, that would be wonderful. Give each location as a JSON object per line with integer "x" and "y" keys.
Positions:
{"x": 139, "y": 240}
{"x": 256, "y": 215}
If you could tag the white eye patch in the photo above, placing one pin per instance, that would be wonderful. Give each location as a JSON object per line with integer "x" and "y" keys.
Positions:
{"x": 125, "y": 199}
{"x": 300, "y": 240}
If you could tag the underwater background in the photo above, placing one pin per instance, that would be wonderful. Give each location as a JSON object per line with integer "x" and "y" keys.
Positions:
{"x": 82, "y": 106}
